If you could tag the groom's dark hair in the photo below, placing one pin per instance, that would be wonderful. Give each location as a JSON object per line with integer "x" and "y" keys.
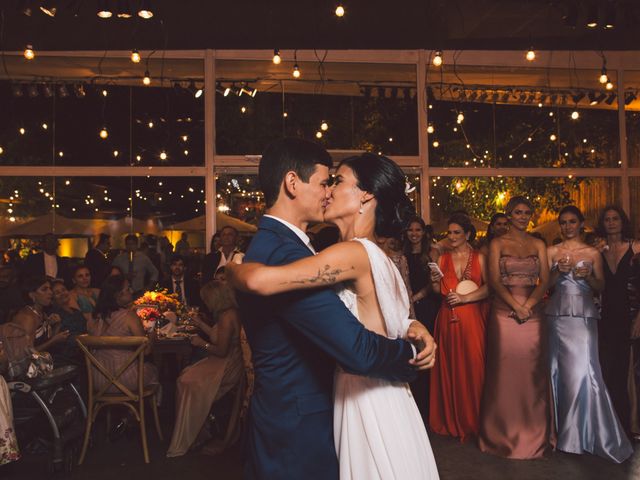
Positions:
{"x": 285, "y": 155}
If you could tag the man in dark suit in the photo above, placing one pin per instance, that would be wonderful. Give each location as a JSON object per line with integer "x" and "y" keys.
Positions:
{"x": 96, "y": 260}
{"x": 47, "y": 262}
{"x": 296, "y": 338}
{"x": 187, "y": 289}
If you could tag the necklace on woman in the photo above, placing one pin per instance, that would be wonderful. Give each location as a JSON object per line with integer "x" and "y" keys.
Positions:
{"x": 36, "y": 311}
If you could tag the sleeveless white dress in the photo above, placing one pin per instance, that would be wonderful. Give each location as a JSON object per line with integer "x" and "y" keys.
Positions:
{"x": 378, "y": 430}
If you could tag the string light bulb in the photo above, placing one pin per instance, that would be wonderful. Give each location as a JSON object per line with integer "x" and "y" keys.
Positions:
{"x": 296, "y": 71}
{"x": 609, "y": 85}
{"x": 324, "y": 126}
{"x": 145, "y": 10}
{"x": 604, "y": 78}
{"x": 318, "y": 134}
{"x": 531, "y": 55}
{"x": 163, "y": 155}
{"x": 147, "y": 78}
{"x": 430, "y": 129}
{"x": 135, "y": 56}
{"x": 276, "y": 56}
{"x": 437, "y": 59}
{"x": 29, "y": 53}
{"x": 460, "y": 118}
{"x": 104, "y": 133}
{"x": 340, "y": 11}
{"x": 575, "y": 115}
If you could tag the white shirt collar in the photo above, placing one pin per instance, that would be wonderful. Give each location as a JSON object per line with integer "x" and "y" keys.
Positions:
{"x": 302, "y": 235}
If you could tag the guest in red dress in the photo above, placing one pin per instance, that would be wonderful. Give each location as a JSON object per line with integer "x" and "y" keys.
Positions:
{"x": 458, "y": 376}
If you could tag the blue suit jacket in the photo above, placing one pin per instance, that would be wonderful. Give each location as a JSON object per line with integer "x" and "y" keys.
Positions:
{"x": 296, "y": 339}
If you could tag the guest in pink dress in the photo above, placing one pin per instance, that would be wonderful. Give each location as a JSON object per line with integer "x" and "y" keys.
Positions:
{"x": 516, "y": 414}
{"x": 113, "y": 316}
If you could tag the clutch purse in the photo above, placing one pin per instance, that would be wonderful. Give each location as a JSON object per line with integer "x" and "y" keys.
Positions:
{"x": 466, "y": 286}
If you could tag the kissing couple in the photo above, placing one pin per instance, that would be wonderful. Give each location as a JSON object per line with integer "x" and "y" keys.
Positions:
{"x": 332, "y": 343}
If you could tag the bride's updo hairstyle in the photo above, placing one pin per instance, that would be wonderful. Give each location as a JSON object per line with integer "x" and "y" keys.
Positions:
{"x": 382, "y": 178}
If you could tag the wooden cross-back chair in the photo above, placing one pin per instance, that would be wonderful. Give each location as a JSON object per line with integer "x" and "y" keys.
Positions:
{"x": 106, "y": 396}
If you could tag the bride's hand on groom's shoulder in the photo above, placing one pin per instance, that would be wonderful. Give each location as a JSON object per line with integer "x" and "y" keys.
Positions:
{"x": 420, "y": 337}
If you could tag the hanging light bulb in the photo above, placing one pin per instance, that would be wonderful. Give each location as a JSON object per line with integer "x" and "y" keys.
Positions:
{"x": 604, "y": 78}
{"x": 145, "y": 10}
{"x": 135, "y": 56}
{"x": 296, "y": 71}
{"x": 340, "y": 11}
{"x": 276, "y": 56}
{"x": 430, "y": 129}
{"x": 227, "y": 91}
{"x": 198, "y": 93}
{"x": 609, "y": 85}
{"x": 104, "y": 11}
{"x": 104, "y": 133}
{"x": 124, "y": 9}
{"x": 163, "y": 155}
{"x": 29, "y": 53}
{"x": 437, "y": 59}
{"x": 460, "y": 118}
{"x": 324, "y": 126}
{"x": 318, "y": 134}
{"x": 147, "y": 78}
{"x": 531, "y": 55}
{"x": 575, "y": 115}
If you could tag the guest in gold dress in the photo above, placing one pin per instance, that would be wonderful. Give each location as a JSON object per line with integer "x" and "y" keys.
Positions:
{"x": 516, "y": 412}
{"x": 204, "y": 382}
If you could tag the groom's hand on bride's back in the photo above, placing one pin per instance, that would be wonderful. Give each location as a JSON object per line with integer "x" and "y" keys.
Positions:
{"x": 420, "y": 337}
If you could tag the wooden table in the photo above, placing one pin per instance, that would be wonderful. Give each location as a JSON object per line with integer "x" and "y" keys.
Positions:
{"x": 180, "y": 348}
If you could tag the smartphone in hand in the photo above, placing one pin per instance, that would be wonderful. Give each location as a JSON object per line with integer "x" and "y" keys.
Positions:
{"x": 433, "y": 266}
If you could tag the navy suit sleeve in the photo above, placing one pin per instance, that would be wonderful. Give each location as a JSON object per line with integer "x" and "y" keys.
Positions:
{"x": 322, "y": 317}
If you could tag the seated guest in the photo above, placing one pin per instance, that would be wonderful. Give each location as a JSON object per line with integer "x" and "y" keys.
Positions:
{"x": 72, "y": 320}
{"x": 97, "y": 262}
{"x": 8, "y": 444}
{"x": 83, "y": 296}
{"x": 184, "y": 287}
{"x": 47, "y": 262}
{"x": 113, "y": 317}
{"x": 201, "y": 384}
{"x": 43, "y": 331}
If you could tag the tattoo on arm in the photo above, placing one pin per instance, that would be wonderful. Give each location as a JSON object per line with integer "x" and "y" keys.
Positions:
{"x": 327, "y": 275}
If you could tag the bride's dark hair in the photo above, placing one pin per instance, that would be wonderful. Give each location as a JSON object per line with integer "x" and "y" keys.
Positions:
{"x": 382, "y": 178}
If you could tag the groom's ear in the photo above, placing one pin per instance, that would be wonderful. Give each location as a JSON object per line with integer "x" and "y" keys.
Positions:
{"x": 289, "y": 183}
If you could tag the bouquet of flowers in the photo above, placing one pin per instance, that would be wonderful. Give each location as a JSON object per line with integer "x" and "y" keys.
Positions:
{"x": 148, "y": 316}
{"x": 158, "y": 305}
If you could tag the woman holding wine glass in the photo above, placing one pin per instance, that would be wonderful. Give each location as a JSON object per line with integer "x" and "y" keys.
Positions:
{"x": 585, "y": 418}
{"x": 458, "y": 376}
{"x": 516, "y": 411}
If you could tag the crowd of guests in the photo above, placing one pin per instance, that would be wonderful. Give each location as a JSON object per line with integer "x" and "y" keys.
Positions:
{"x": 536, "y": 342}
{"x": 526, "y": 359}
{"x": 47, "y": 302}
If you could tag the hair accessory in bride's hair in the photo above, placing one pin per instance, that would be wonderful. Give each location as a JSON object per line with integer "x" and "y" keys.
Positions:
{"x": 408, "y": 188}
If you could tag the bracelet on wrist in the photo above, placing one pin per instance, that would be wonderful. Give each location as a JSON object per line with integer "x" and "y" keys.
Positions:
{"x": 206, "y": 346}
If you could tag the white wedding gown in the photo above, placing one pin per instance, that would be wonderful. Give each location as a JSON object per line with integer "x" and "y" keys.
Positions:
{"x": 378, "y": 430}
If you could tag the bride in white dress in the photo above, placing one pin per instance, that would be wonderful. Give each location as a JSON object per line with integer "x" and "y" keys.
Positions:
{"x": 378, "y": 431}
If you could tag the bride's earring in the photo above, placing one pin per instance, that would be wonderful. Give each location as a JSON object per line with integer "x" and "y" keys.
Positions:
{"x": 361, "y": 211}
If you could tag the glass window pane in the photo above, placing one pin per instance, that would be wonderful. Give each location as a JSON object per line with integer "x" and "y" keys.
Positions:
{"x": 344, "y": 106}
{"x": 520, "y": 118}
{"x": 481, "y": 197}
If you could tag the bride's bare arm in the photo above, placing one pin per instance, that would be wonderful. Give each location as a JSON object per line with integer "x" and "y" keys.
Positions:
{"x": 338, "y": 263}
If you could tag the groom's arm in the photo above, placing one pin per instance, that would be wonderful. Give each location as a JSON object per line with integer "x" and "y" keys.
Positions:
{"x": 322, "y": 317}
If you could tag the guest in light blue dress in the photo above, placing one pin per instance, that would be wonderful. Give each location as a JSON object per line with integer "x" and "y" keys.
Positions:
{"x": 585, "y": 418}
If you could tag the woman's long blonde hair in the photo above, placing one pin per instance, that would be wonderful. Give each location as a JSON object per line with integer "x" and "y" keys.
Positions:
{"x": 218, "y": 297}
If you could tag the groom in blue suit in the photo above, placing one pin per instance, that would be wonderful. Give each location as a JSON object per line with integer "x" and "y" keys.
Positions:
{"x": 296, "y": 338}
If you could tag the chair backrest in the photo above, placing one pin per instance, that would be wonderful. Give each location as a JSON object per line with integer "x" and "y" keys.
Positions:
{"x": 89, "y": 343}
